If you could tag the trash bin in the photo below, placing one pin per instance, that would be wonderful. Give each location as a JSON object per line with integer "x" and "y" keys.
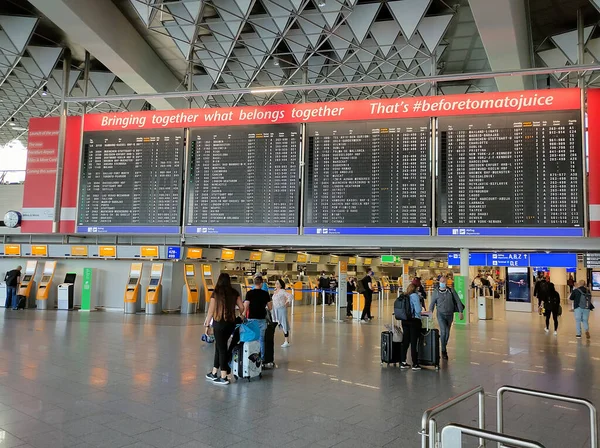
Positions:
{"x": 485, "y": 308}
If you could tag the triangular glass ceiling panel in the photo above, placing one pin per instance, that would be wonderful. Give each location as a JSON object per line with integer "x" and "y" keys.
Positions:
{"x": 312, "y": 27}
{"x": 31, "y": 67}
{"x": 18, "y": 29}
{"x": 45, "y": 58}
{"x": 455, "y": 90}
{"x": 593, "y": 46}
{"x": 408, "y": 14}
{"x": 298, "y": 44}
{"x": 143, "y": 9}
{"x": 567, "y": 42}
{"x": 408, "y": 51}
{"x": 245, "y": 59}
{"x": 180, "y": 38}
{"x": 186, "y": 12}
{"x": 5, "y": 43}
{"x": 315, "y": 65}
{"x": 340, "y": 40}
{"x": 57, "y": 77}
{"x": 232, "y": 12}
{"x": 553, "y": 57}
{"x": 331, "y": 11}
{"x": 279, "y": 14}
{"x": 365, "y": 57}
{"x": 385, "y": 34}
{"x": 361, "y": 18}
{"x": 102, "y": 81}
{"x": 432, "y": 29}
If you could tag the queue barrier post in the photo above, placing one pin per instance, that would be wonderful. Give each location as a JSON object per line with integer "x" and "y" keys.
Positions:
{"x": 323, "y": 307}
{"x": 293, "y": 300}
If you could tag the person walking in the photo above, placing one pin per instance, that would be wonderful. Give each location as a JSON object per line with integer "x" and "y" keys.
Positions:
{"x": 571, "y": 283}
{"x": 447, "y": 302}
{"x": 552, "y": 307}
{"x": 541, "y": 290}
{"x": 256, "y": 304}
{"x": 221, "y": 312}
{"x": 368, "y": 286}
{"x": 282, "y": 299}
{"x": 12, "y": 279}
{"x": 411, "y": 330}
{"x": 582, "y": 304}
{"x": 350, "y": 288}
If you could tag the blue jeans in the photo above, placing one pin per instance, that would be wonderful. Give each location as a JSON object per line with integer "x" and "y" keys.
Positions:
{"x": 581, "y": 316}
{"x": 445, "y": 321}
{"x": 11, "y": 297}
{"x": 263, "y": 327}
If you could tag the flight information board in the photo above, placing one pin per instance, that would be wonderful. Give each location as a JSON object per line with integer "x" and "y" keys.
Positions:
{"x": 517, "y": 175}
{"x": 131, "y": 182}
{"x": 368, "y": 178}
{"x": 244, "y": 180}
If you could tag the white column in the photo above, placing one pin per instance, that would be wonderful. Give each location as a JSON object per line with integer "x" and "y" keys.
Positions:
{"x": 464, "y": 272}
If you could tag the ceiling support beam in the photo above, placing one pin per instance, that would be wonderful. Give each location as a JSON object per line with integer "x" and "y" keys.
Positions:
{"x": 503, "y": 28}
{"x": 94, "y": 25}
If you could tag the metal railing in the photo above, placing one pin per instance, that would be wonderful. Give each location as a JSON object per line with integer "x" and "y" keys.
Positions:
{"x": 452, "y": 437}
{"x": 429, "y": 424}
{"x": 536, "y": 393}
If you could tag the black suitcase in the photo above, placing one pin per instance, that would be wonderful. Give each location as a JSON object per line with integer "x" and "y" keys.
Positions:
{"x": 21, "y": 302}
{"x": 269, "y": 354}
{"x": 390, "y": 350}
{"x": 429, "y": 348}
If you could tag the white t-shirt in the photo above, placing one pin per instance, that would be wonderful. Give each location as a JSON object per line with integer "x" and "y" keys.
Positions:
{"x": 281, "y": 298}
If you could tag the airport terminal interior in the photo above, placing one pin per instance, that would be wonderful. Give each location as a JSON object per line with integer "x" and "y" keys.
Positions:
{"x": 403, "y": 194}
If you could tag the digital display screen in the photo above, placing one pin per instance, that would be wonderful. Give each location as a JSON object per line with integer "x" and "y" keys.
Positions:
{"x": 244, "y": 180}
{"x": 27, "y": 278}
{"x": 45, "y": 279}
{"x": 131, "y": 182}
{"x": 595, "y": 281}
{"x": 153, "y": 282}
{"x": 191, "y": 282}
{"x": 70, "y": 278}
{"x": 518, "y": 285}
{"x": 368, "y": 178}
{"x": 521, "y": 170}
{"x": 133, "y": 281}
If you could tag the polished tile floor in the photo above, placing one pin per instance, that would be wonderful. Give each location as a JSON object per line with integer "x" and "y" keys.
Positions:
{"x": 70, "y": 379}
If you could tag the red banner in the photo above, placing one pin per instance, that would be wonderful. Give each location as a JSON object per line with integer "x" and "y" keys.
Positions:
{"x": 40, "y": 177}
{"x": 437, "y": 106}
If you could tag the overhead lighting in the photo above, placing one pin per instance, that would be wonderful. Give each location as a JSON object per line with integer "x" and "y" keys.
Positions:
{"x": 259, "y": 91}
{"x": 276, "y": 62}
{"x": 45, "y": 91}
{"x": 12, "y": 122}
{"x": 19, "y": 128}
{"x": 321, "y": 3}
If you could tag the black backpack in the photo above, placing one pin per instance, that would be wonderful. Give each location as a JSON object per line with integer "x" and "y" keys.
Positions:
{"x": 403, "y": 308}
{"x": 11, "y": 277}
{"x": 360, "y": 286}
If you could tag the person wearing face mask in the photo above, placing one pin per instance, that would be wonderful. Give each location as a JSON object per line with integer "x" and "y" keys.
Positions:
{"x": 447, "y": 302}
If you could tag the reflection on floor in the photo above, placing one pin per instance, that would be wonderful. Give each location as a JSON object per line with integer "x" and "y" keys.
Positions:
{"x": 109, "y": 380}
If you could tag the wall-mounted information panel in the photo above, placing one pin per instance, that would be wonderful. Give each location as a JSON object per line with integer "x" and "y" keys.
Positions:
{"x": 244, "y": 180}
{"x": 131, "y": 182}
{"x": 515, "y": 175}
{"x": 368, "y": 178}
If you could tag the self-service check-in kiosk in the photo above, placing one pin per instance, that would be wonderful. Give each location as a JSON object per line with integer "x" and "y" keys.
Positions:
{"x": 65, "y": 292}
{"x": 44, "y": 299}
{"x": 207, "y": 283}
{"x": 28, "y": 283}
{"x": 190, "y": 296}
{"x": 133, "y": 302}
{"x": 153, "y": 296}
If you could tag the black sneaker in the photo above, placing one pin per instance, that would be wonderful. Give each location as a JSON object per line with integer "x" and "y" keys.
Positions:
{"x": 416, "y": 367}
{"x": 445, "y": 355}
{"x": 578, "y": 336}
{"x": 221, "y": 381}
{"x": 404, "y": 366}
{"x": 211, "y": 376}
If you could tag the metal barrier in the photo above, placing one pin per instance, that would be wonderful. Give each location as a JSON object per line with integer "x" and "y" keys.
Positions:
{"x": 536, "y": 393}
{"x": 452, "y": 437}
{"x": 429, "y": 424}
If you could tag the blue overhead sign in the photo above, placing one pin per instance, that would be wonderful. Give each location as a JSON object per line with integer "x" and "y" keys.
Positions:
{"x": 517, "y": 259}
{"x": 174, "y": 253}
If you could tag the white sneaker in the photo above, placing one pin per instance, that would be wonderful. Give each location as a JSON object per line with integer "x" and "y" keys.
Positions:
{"x": 362, "y": 321}
{"x": 285, "y": 344}
{"x": 546, "y": 330}
{"x": 555, "y": 333}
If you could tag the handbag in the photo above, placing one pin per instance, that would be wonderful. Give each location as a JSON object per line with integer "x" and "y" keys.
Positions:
{"x": 249, "y": 331}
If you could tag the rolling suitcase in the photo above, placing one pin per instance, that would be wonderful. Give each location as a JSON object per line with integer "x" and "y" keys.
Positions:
{"x": 429, "y": 348}
{"x": 390, "y": 350}
{"x": 246, "y": 360}
{"x": 269, "y": 355}
{"x": 21, "y": 302}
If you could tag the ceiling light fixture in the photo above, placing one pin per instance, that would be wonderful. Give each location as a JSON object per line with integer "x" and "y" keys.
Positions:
{"x": 321, "y": 3}
{"x": 44, "y": 90}
{"x": 12, "y": 122}
{"x": 259, "y": 91}
{"x": 275, "y": 61}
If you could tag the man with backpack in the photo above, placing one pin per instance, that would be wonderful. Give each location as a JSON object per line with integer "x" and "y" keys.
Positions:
{"x": 541, "y": 291}
{"x": 12, "y": 279}
{"x": 582, "y": 304}
{"x": 448, "y": 303}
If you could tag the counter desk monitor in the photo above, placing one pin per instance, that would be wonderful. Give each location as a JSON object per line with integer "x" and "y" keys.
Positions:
{"x": 65, "y": 292}
{"x": 44, "y": 298}
{"x": 207, "y": 283}
{"x": 132, "y": 299}
{"x": 190, "y": 296}
{"x": 153, "y": 296}
{"x": 28, "y": 284}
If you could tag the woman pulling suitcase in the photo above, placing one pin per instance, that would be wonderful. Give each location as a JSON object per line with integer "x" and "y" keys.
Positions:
{"x": 411, "y": 329}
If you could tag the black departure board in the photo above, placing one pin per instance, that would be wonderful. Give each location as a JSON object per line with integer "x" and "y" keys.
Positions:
{"x": 131, "y": 182}
{"x": 368, "y": 178}
{"x": 244, "y": 180}
{"x": 522, "y": 170}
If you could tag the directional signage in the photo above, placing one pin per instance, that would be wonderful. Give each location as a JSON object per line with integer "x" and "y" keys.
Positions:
{"x": 391, "y": 259}
{"x": 509, "y": 259}
{"x": 475, "y": 259}
{"x": 518, "y": 259}
{"x": 592, "y": 260}
{"x": 173, "y": 253}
